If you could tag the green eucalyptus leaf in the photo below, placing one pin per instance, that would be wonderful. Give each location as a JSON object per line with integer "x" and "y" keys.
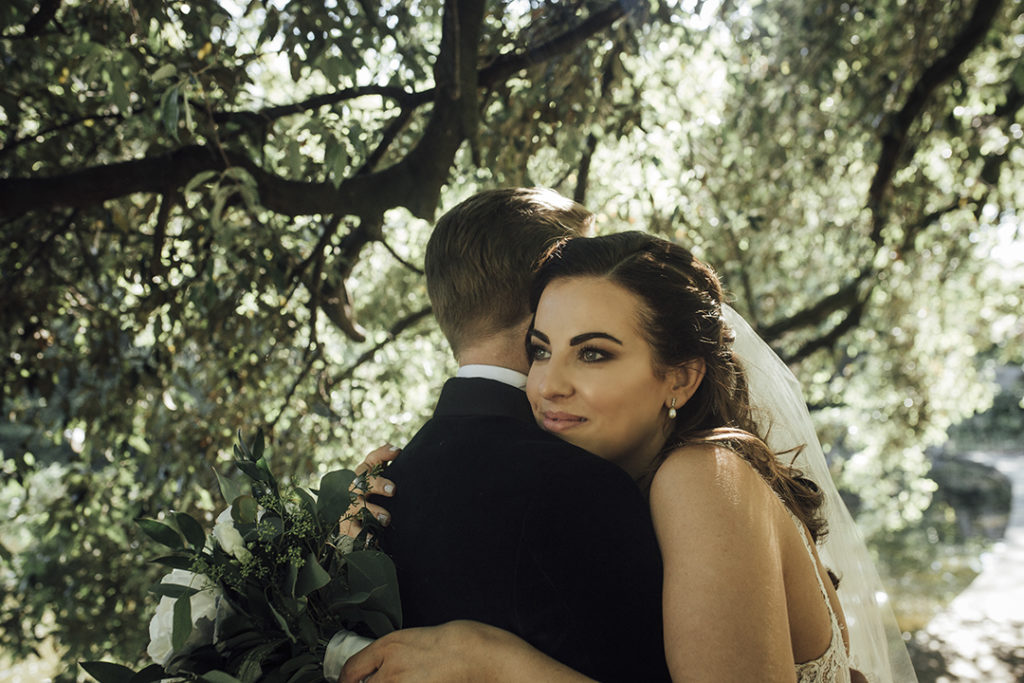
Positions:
{"x": 191, "y": 529}
{"x": 173, "y": 590}
{"x": 253, "y": 470}
{"x": 311, "y": 576}
{"x": 229, "y": 489}
{"x": 291, "y": 579}
{"x": 258, "y": 443}
{"x": 308, "y": 502}
{"x": 244, "y": 509}
{"x": 333, "y": 498}
{"x": 282, "y": 622}
{"x": 150, "y": 674}
{"x": 174, "y": 561}
{"x": 270, "y": 526}
{"x": 161, "y": 533}
{"x": 181, "y": 624}
{"x": 217, "y": 676}
{"x": 308, "y": 673}
{"x": 350, "y": 600}
{"x": 108, "y": 672}
{"x": 374, "y": 572}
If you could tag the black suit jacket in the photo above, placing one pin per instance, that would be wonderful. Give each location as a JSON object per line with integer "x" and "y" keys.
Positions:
{"x": 496, "y": 520}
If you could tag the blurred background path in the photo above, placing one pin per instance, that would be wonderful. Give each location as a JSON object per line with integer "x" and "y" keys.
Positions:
{"x": 980, "y": 634}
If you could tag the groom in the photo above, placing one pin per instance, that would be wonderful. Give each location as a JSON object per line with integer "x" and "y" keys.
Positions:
{"x": 495, "y": 520}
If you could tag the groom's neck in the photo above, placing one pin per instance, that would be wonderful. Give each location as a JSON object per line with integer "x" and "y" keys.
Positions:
{"x": 505, "y": 349}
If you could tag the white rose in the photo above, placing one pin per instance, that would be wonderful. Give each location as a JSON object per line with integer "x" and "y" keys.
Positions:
{"x": 204, "y": 611}
{"x": 229, "y": 538}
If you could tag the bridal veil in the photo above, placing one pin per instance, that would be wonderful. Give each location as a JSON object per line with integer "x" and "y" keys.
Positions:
{"x": 876, "y": 644}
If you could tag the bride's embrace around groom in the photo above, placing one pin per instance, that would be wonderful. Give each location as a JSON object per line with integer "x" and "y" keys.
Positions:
{"x": 594, "y": 497}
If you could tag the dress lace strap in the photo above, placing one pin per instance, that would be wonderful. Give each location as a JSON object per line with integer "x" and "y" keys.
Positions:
{"x": 833, "y": 665}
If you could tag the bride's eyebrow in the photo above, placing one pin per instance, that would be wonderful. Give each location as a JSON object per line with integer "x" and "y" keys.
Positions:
{"x": 587, "y": 336}
{"x": 539, "y": 335}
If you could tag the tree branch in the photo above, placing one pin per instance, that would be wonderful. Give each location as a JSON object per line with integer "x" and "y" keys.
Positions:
{"x": 896, "y": 125}
{"x": 404, "y": 98}
{"x": 415, "y": 182}
{"x": 828, "y": 340}
{"x": 848, "y": 296}
{"x": 508, "y": 64}
{"x": 401, "y": 326}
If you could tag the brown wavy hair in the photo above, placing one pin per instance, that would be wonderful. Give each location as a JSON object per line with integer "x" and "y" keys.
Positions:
{"x": 682, "y": 320}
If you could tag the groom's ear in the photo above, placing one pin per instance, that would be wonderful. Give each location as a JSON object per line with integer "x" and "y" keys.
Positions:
{"x": 686, "y": 378}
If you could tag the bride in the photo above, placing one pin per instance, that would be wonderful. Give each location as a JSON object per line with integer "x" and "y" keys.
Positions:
{"x": 633, "y": 358}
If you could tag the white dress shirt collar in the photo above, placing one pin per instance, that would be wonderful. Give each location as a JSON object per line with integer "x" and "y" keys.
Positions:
{"x": 513, "y": 378}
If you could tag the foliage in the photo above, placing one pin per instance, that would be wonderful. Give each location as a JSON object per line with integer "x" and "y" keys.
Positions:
{"x": 212, "y": 211}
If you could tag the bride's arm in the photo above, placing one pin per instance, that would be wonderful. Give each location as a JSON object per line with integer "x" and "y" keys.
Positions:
{"x": 724, "y": 597}
{"x": 457, "y": 651}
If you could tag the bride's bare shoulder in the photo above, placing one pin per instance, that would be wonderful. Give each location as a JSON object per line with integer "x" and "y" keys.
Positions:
{"x": 705, "y": 468}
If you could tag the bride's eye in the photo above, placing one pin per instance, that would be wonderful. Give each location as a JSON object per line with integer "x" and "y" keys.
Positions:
{"x": 591, "y": 354}
{"x": 535, "y": 353}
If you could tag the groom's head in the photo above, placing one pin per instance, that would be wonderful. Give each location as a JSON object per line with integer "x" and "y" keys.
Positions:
{"x": 481, "y": 255}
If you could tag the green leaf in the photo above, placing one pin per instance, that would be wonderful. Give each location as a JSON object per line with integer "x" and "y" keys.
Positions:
{"x": 308, "y": 502}
{"x": 118, "y": 88}
{"x": 191, "y": 529}
{"x": 291, "y": 579}
{"x": 173, "y": 590}
{"x": 181, "y": 623}
{"x": 217, "y": 676}
{"x": 310, "y": 577}
{"x": 173, "y": 561}
{"x": 108, "y": 672}
{"x": 374, "y": 572}
{"x": 254, "y": 471}
{"x": 298, "y": 662}
{"x": 241, "y": 440}
{"x": 244, "y": 509}
{"x": 350, "y": 600}
{"x": 378, "y": 622}
{"x": 165, "y": 71}
{"x": 161, "y": 533}
{"x": 270, "y": 527}
{"x": 336, "y": 161}
{"x": 229, "y": 488}
{"x": 308, "y": 673}
{"x": 333, "y": 498}
{"x": 282, "y": 622}
{"x": 190, "y": 124}
{"x": 169, "y": 110}
{"x": 150, "y": 674}
{"x": 257, "y": 442}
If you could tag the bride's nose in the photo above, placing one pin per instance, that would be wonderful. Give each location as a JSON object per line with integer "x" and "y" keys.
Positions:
{"x": 554, "y": 382}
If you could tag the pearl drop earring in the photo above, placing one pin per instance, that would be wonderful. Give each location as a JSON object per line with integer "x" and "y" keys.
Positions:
{"x": 672, "y": 409}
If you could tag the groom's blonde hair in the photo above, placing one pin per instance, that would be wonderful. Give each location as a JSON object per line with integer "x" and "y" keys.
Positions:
{"x": 481, "y": 256}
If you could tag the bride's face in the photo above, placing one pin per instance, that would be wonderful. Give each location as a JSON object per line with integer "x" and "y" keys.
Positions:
{"x": 592, "y": 376}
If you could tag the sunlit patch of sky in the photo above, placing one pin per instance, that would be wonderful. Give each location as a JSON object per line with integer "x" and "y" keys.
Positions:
{"x": 1007, "y": 247}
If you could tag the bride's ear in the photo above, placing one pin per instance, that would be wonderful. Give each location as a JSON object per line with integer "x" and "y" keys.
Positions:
{"x": 685, "y": 380}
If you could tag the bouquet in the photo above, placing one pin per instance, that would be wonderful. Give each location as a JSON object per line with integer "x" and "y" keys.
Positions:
{"x": 263, "y": 595}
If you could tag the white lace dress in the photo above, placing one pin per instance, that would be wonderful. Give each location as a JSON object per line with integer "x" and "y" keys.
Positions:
{"x": 834, "y": 663}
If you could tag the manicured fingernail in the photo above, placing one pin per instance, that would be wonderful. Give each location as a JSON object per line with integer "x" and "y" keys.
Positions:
{"x": 389, "y": 489}
{"x": 393, "y": 449}
{"x": 383, "y": 519}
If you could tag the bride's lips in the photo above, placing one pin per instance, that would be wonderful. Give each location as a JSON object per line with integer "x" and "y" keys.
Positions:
{"x": 559, "y": 422}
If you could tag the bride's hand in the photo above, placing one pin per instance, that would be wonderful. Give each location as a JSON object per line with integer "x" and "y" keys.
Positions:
{"x": 455, "y": 652}
{"x": 362, "y": 486}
